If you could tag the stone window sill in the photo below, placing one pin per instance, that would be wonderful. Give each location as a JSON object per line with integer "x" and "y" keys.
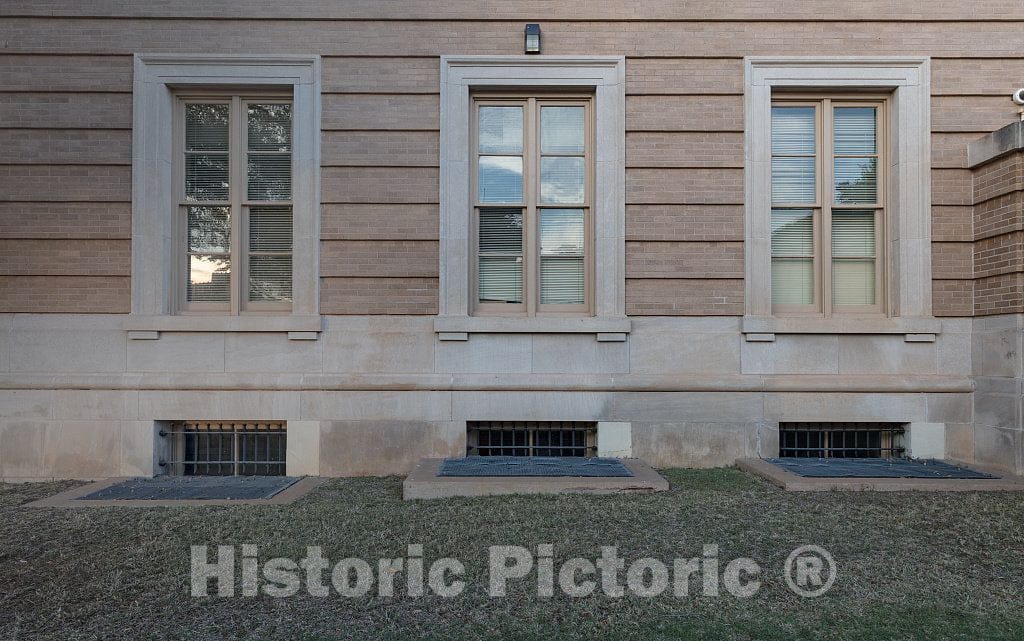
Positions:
{"x": 298, "y": 327}
{"x": 914, "y": 329}
{"x": 458, "y": 328}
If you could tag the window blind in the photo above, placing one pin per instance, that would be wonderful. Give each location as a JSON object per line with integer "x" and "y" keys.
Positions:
{"x": 793, "y": 256}
{"x": 270, "y": 260}
{"x": 562, "y": 274}
{"x": 501, "y": 255}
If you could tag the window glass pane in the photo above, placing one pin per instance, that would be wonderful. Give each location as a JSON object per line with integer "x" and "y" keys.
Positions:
{"x": 793, "y": 180}
{"x": 270, "y": 228}
{"x": 501, "y": 179}
{"x": 206, "y": 127}
{"x": 209, "y": 279}
{"x": 561, "y": 180}
{"x": 853, "y": 247}
{"x": 561, "y": 232}
{"x": 270, "y": 127}
{"x": 854, "y": 129}
{"x": 209, "y": 229}
{"x": 501, "y": 230}
{"x": 793, "y": 131}
{"x": 856, "y": 180}
{"x": 853, "y": 282}
{"x": 501, "y": 255}
{"x": 561, "y": 130}
{"x": 270, "y": 278}
{"x": 270, "y": 177}
{"x": 206, "y": 176}
{"x": 501, "y": 279}
{"x": 501, "y": 130}
{"x": 792, "y": 257}
{"x": 561, "y": 281}
{"x": 792, "y": 232}
{"x": 792, "y": 281}
{"x": 853, "y": 233}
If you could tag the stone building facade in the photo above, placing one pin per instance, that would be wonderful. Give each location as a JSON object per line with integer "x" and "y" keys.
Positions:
{"x": 385, "y": 346}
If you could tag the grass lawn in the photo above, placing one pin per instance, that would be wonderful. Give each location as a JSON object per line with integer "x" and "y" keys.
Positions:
{"x": 911, "y": 566}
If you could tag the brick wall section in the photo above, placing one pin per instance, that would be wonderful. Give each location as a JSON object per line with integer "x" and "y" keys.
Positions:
{"x": 952, "y": 224}
{"x": 684, "y": 260}
{"x": 379, "y": 258}
{"x": 65, "y": 108}
{"x": 684, "y": 222}
{"x": 684, "y": 149}
{"x": 65, "y": 220}
{"x": 684, "y": 297}
{"x": 67, "y": 146}
{"x": 952, "y": 261}
{"x": 998, "y": 250}
{"x": 998, "y": 215}
{"x": 379, "y": 222}
{"x": 378, "y": 295}
{"x": 953, "y": 297}
{"x": 998, "y": 255}
{"x": 65, "y": 257}
{"x": 380, "y": 112}
{"x": 1001, "y": 294}
{"x": 65, "y": 294}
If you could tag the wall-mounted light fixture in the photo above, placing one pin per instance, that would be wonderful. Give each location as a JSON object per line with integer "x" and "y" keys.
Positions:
{"x": 532, "y": 39}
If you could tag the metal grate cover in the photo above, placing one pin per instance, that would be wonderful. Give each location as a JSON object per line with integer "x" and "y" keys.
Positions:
{"x": 532, "y": 466}
{"x": 547, "y": 439}
{"x": 876, "y": 468}
{"x": 194, "y": 488}
{"x": 227, "y": 448}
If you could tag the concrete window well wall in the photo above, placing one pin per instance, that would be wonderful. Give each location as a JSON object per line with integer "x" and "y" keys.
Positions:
{"x": 677, "y": 355}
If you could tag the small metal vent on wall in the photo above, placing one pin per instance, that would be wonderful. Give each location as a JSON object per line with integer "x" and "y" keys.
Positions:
{"x": 226, "y": 448}
{"x": 538, "y": 438}
{"x": 841, "y": 440}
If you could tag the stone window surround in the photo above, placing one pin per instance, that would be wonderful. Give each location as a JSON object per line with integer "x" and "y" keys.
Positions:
{"x": 156, "y": 77}
{"x": 606, "y": 76}
{"x": 909, "y": 232}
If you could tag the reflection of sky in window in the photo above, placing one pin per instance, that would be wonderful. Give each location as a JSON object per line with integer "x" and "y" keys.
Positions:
{"x": 561, "y": 232}
{"x": 501, "y": 130}
{"x": 856, "y": 180}
{"x": 202, "y": 268}
{"x": 501, "y": 179}
{"x": 561, "y": 179}
{"x": 793, "y": 130}
{"x": 561, "y": 130}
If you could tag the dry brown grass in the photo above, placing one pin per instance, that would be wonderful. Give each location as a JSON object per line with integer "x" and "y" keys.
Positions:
{"x": 912, "y": 566}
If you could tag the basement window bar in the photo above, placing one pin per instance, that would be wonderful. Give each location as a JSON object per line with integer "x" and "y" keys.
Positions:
{"x": 543, "y": 438}
{"x": 841, "y": 440}
{"x": 227, "y": 448}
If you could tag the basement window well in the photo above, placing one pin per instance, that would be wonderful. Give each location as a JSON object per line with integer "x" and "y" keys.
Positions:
{"x": 225, "y": 448}
{"x": 540, "y": 438}
{"x": 841, "y": 440}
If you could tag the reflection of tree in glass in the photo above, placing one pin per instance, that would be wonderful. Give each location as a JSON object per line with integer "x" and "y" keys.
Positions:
{"x": 206, "y": 137}
{"x": 214, "y": 290}
{"x": 862, "y": 188}
{"x": 269, "y": 130}
{"x": 270, "y": 278}
{"x": 270, "y": 177}
{"x": 206, "y": 127}
{"x": 209, "y": 229}
{"x": 270, "y": 127}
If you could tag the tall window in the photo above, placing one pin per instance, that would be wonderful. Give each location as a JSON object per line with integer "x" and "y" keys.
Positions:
{"x": 828, "y": 206}
{"x": 234, "y": 172}
{"x": 532, "y": 186}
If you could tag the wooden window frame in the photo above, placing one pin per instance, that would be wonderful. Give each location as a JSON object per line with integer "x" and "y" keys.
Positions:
{"x": 531, "y": 204}
{"x": 238, "y": 203}
{"x": 824, "y": 105}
